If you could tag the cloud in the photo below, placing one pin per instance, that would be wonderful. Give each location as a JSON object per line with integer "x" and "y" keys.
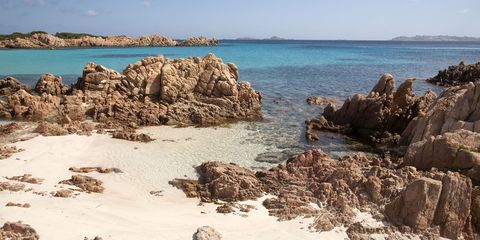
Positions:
{"x": 91, "y": 12}
{"x": 147, "y": 3}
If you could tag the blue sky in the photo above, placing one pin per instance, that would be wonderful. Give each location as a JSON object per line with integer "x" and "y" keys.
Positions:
{"x": 300, "y": 19}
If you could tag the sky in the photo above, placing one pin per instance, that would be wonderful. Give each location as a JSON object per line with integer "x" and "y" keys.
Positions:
{"x": 227, "y": 19}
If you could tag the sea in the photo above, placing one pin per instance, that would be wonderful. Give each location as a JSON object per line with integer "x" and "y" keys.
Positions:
{"x": 285, "y": 72}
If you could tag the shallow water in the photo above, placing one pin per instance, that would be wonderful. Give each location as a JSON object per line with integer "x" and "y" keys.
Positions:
{"x": 286, "y": 72}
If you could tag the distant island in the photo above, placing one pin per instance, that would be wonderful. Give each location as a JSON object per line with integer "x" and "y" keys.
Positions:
{"x": 41, "y": 39}
{"x": 273, "y": 38}
{"x": 440, "y": 38}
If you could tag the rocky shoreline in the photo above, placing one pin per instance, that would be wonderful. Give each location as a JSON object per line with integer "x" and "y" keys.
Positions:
{"x": 48, "y": 41}
{"x": 154, "y": 91}
{"x": 429, "y": 189}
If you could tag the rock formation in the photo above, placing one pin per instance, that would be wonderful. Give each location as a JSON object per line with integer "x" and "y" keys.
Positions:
{"x": 379, "y": 117}
{"x": 457, "y": 75}
{"x": 154, "y": 91}
{"x": 44, "y": 40}
{"x": 322, "y": 101}
{"x": 312, "y": 184}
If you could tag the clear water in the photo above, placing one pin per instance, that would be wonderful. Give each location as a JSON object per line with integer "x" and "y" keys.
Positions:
{"x": 286, "y": 72}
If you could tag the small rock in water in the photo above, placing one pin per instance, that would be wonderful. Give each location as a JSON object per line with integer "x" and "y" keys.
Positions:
{"x": 207, "y": 233}
{"x": 273, "y": 157}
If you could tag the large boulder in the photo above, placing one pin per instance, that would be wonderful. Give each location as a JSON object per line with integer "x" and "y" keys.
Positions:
{"x": 381, "y": 116}
{"x": 426, "y": 203}
{"x": 457, "y": 75}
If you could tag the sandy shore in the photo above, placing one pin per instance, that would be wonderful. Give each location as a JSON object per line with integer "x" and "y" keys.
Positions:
{"x": 127, "y": 210}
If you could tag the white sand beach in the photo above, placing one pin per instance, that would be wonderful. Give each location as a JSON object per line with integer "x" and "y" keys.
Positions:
{"x": 126, "y": 209}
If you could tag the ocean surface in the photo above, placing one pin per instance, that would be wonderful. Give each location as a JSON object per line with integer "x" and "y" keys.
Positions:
{"x": 286, "y": 72}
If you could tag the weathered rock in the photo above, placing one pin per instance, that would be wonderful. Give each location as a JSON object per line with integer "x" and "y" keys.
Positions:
{"x": 11, "y": 204}
{"x": 86, "y": 183}
{"x": 26, "y": 178}
{"x": 199, "y": 41}
{"x": 457, "y": 75}
{"x": 456, "y": 108}
{"x": 95, "y": 169}
{"x": 475, "y": 209}
{"x": 50, "y": 129}
{"x": 132, "y": 136}
{"x": 227, "y": 182}
{"x": 51, "y": 84}
{"x": 18, "y": 231}
{"x": 22, "y": 105}
{"x": 427, "y": 203}
{"x": 10, "y": 85}
{"x": 8, "y": 151}
{"x": 63, "y": 193}
{"x": 379, "y": 117}
{"x": 417, "y": 205}
{"x": 12, "y": 187}
{"x": 207, "y": 233}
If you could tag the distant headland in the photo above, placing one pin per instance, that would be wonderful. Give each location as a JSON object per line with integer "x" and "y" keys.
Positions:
{"x": 41, "y": 39}
{"x": 439, "y": 38}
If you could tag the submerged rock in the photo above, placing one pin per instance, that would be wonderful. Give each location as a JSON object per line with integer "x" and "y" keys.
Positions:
{"x": 457, "y": 75}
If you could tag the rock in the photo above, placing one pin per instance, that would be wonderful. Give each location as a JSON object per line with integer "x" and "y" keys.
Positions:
{"x": 207, "y": 233}
{"x": 475, "y": 209}
{"x": 322, "y": 101}
{"x": 456, "y": 108}
{"x": 457, "y": 75}
{"x": 199, "y": 41}
{"x": 426, "y": 203}
{"x": 26, "y": 178}
{"x": 51, "y": 84}
{"x": 132, "y": 136}
{"x": 50, "y": 129}
{"x": 18, "y": 231}
{"x": 379, "y": 117}
{"x": 220, "y": 181}
{"x": 63, "y": 193}
{"x": 417, "y": 205}
{"x": 11, "y": 204}
{"x": 225, "y": 208}
{"x": 95, "y": 169}
{"x": 85, "y": 183}
{"x": 12, "y": 187}
{"x": 8, "y": 151}
{"x": 10, "y": 85}
{"x": 153, "y": 91}
{"x": 457, "y": 151}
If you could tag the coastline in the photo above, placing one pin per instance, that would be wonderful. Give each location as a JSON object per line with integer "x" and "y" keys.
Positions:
{"x": 126, "y": 210}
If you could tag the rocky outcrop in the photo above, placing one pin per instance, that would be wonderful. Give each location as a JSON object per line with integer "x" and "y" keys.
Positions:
{"x": 199, "y": 41}
{"x": 154, "y": 91}
{"x": 219, "y": 181}
{"x": 456, "y": 108}
{"x": 457, "y": 75}
{"x": 426, "y": 203}
{"x": 18, "y": 231}
{"x": 51, "y": 84}
{"x": 379, "y": 117}
{"x": 43, "y": 40}
{"x": 207, "y": 233}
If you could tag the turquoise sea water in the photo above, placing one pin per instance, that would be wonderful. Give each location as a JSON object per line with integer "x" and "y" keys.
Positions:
{"x": 286, "y": 72}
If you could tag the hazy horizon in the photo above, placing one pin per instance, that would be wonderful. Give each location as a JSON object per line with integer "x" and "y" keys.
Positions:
{"x": 309, "y": 20}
